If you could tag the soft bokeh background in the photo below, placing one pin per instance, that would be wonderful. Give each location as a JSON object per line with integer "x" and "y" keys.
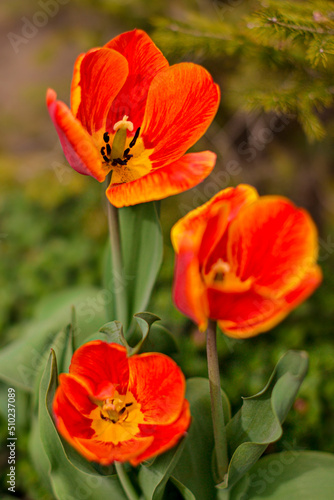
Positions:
{"x": 53, "y": 224}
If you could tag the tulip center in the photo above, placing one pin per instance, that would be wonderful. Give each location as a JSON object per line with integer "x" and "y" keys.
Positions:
{"x": 115, "y": 410}
{"x": 117, "y": 154}
{"x": 221, "y": 276}
{"x": 116, "y": 418}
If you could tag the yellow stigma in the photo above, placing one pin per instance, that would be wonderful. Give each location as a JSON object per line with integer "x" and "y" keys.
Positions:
{"x": 124, "y": 124}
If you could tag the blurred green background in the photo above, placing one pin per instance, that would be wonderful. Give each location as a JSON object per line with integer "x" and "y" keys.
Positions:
{"x": 274, "y": 63}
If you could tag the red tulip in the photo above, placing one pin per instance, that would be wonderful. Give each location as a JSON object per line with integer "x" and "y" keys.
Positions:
{"x": 135, "y": 116}
{"x": 114, "y": 408}
{"x": 244, "y": 260}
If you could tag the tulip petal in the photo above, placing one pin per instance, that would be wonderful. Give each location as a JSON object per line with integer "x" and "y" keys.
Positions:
{"x": 70, "y": 422}
{"x": 75, "y": 86}
{"x": 273, "y": 242}
{"x": 158, "y": 385}
{"x": 105, "y": 453}
{"x": 189, "y": 292}
{"x": 165, "y": 436}
{"x": 182, "y": 102}
{"x": 78, "y": 392}
{"x": 248, "y": 314}
{"x": 174, "y": 178}
{"x": 102, "y": 75}
{"x": 145, "y": 60}
{"x": 100, "y": 362}
{"x": 77, "y": 144}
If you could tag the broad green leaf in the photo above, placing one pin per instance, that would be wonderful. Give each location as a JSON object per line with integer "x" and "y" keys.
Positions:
{"x": 194, "y": 468}
{"x": 68, "y": 481}
{"x": 21, "y": 360}
{"x": 258, "y": 422}
{"x": 153, "y": 477}
{"x": 142, "y": 249}
{"x": 62, "y": 347}
{"x": 291, "y": 475}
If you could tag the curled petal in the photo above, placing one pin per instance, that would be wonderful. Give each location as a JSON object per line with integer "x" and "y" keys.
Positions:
{"x": 77, "y": 144}
{"x": 182, "y": 102}
{"x": 274, "y": 243}
{"x": 248, "y": 314}
{"x": 172, "y": 179}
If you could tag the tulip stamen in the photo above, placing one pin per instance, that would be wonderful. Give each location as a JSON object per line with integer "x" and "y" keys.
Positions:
{"x": 106, "y": 151}
{"x": 135, "y": 137}
{"x": 114, "y": 410}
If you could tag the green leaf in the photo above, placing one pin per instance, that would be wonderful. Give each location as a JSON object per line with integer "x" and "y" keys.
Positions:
{"x": 144, "y": 320}
{"x": 68, "y": 481}
{"x": 187, "y": 495}
{"x": 160, "y": 340}
{"x": 194, "y": 469}
{"x": 153, "y": 477}
{"x": 24, "y": 358}
{"x": 290, "y": 474}
{"x": 114, "y": 331}
{"x": 142, "y": 249}
{"x": 258, "y": 422}
{"x": 111, "y": 332}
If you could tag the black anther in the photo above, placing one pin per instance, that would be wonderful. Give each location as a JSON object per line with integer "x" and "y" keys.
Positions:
{"x": 103, "y": 152}
{"x": 122, "y": 411}
{"x": 106, "y": 159}
{"x": 128, "y": 404}
{"x": 127, "y": 151}
{"x": 108, "y": 149}
{"x": 134, "y": 140}
{"x": 106, "y": 137}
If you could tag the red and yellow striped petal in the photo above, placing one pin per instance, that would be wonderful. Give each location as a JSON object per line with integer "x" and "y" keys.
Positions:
{"x": 145, "y": 60}
{"x": 274, "y": 243}
{"x": 165, "y": 436}
{"x": 103, "y": 73}
{"x": 77, "y": 144}
{"x": 158, "y": 385}
{"x": 174, "y": 178}
{"x": 182, "y": 102}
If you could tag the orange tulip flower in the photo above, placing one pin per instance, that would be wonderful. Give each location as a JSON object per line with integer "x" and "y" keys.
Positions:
{"x": 135, "y": 116}
{"x": 244, "y": 260}
{"x": 113, "y": 408}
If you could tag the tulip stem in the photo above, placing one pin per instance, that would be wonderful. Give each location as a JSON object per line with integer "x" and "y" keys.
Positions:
{"x": 217, "y": 409}
{"x": 119, "y": 288}
{"x": 125, "y": 482}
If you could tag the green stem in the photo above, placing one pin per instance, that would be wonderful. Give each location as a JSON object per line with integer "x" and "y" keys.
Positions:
{"x": 217, "y": 410}
{"x": 125, "y": 482}
{"x": 116, "y": 260}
